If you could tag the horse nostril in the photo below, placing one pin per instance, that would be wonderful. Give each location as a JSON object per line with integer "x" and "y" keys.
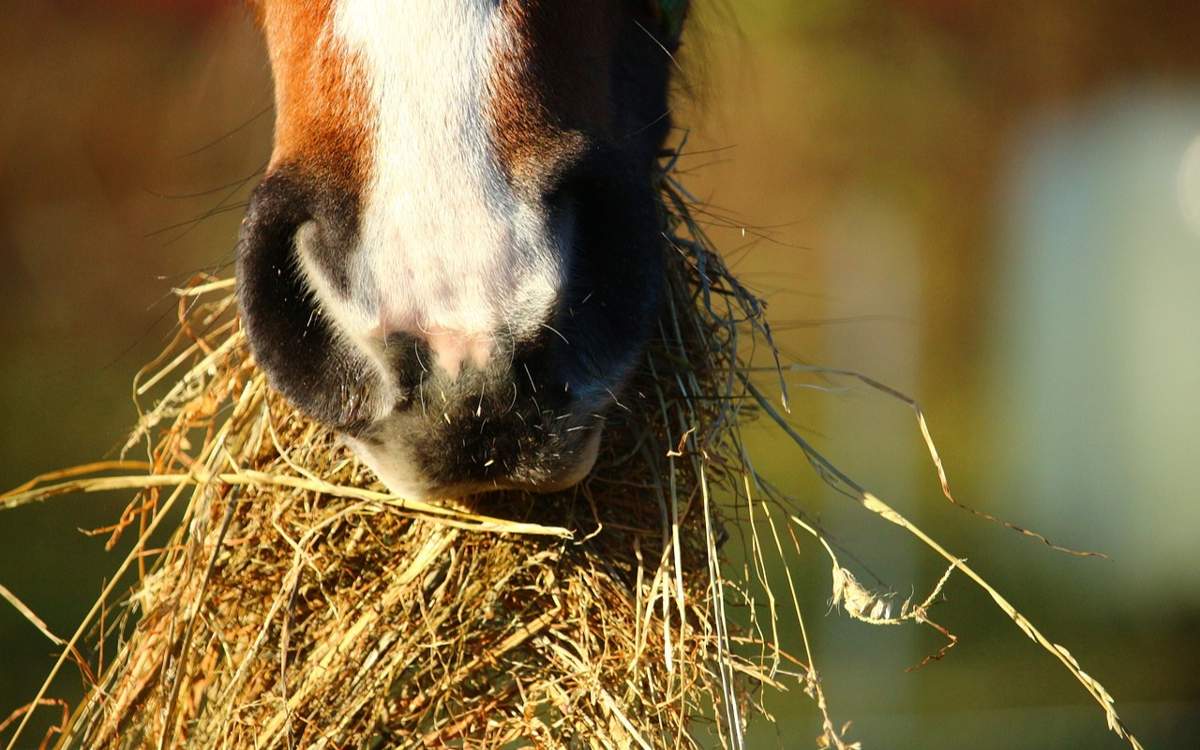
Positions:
{"x": 303, "y": 355}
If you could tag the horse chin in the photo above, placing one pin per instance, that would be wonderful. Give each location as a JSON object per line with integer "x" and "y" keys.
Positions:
{"x": 569, "y": 475}
{"x": 543, "y": 472}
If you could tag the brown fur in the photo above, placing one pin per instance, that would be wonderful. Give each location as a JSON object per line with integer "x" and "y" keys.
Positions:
{"x": 551, "y": 89}
{"x": 322, "y": 110}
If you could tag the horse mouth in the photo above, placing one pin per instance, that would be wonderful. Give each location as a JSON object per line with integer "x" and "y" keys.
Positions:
{"x": 419, "y": 460}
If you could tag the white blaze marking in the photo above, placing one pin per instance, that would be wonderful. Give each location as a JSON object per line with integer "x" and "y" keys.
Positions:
{"x": 448, "y": 251}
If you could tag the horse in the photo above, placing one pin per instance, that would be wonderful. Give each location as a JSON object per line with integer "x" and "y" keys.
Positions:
{"x": 454, "y": 259}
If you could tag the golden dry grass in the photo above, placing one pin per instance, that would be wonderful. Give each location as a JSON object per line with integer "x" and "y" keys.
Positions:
{"x": 295, "y": 604}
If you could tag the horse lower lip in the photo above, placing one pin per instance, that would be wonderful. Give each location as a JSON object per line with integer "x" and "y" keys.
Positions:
{"x": 574, "y": 474}
{"x": 414, "y": 460}
{"x": 541, "y": 478}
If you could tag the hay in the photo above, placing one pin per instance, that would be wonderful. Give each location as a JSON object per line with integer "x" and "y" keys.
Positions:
{"x": 295, "y": 604}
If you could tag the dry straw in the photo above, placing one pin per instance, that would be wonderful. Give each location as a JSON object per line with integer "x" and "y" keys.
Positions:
{"x": 277, "y": 597}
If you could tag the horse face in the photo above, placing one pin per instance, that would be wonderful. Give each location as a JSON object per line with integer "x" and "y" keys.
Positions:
{"x": 454, "y": 259}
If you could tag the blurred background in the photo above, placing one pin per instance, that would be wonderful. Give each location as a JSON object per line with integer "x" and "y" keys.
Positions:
{"x": 994, "y": 207}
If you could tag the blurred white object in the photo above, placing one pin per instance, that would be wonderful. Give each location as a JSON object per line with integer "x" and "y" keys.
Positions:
{"x": 1098, "y": 346}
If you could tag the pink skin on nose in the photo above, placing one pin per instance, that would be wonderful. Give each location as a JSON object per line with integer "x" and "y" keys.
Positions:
{"x": 451, "y": 348}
